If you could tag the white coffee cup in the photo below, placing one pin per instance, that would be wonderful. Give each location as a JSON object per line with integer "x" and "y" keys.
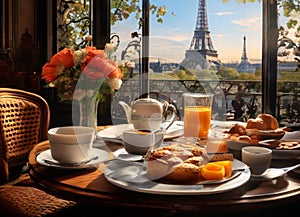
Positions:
{"x": 71, "y": 144}
{"x": 139, "y": 142}
{"x": 257, "y": 158}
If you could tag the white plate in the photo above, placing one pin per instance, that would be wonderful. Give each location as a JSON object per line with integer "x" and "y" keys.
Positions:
{"x": 46, "y": 155}
{"x": 132, "y": 176}
{"x": 226, "y": 125}
{"x": 276, "y": 154}
{"x": 122, "y": 154}
{"x": 114, "y": 133}
{"x": 174, "y": 131}
{"x": 285, "y": 154}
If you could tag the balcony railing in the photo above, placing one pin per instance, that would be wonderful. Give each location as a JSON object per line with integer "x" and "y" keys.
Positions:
{"x": 234, "y": 99}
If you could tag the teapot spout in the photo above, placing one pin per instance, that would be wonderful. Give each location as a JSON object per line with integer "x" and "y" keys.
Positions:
{"x": 127, "y": 110}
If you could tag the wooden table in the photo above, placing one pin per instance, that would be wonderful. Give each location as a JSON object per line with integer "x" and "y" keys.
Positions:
{"x": 90, "y": 186}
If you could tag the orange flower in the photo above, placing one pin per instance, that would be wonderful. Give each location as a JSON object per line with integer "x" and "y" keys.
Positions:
{"x": 99, "y": 67}
{"x": 64, "y": 57}
{"x": 93, "y": 52}
{"x": 117, "y": 73}
{"x": 66, "y": 67}
{"x": 61, "y": 60}
{"x": 48, "y": 72}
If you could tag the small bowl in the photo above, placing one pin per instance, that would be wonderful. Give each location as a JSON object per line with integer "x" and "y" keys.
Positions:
{"x": 271, "y": 134}
{"x": 139, "y": 142}
{"x": 257, "y": 158}
{"x": 71, "y": 144}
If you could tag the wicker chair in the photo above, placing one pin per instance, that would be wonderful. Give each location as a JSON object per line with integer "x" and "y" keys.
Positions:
{"x": 24, "y": 122}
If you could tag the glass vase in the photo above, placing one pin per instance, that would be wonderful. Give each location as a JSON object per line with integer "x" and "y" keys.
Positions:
{"x": 88, "y": 111}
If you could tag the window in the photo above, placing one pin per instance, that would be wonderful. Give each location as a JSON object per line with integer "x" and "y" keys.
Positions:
{"x": 271, "y": 85}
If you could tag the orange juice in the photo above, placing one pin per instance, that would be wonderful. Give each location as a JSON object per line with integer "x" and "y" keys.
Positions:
{"x": 196, "y": 121}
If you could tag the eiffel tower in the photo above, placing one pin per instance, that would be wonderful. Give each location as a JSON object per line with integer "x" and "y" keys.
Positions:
{"x": 245, "y": 65}
{"x": 201, "y": 52}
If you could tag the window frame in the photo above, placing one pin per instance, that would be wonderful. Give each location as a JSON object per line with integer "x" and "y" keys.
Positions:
{"x": 269, "y": 56}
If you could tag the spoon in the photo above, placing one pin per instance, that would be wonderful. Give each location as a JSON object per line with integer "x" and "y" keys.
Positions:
{"x": 273, "y": 173}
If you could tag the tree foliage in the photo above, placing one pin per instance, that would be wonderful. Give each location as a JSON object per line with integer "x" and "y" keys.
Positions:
{"x": 122, "y": 10}
{"x": 227, "y": 73}
{"x": 291, "y": 10}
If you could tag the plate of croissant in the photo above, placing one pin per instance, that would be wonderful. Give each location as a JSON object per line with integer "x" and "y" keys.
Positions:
{"x": 264, "y": 126}
{"x": 260, "y": 131}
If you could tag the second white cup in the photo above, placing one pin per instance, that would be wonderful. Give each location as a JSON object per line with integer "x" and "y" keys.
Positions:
{"x": 139, "y": 142}
{"x": 257, "y": 158}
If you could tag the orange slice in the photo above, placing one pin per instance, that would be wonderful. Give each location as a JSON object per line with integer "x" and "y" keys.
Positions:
{"x": 227, "y": 166}
{"x": 213, "y": 171}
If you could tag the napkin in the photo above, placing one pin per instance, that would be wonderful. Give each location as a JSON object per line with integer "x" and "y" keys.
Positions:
{"x": 126, "y": 171}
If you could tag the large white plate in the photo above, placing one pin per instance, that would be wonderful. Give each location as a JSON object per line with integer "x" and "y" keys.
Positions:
{"x": 131, "y": 176}
{"x": 46, "y": 155}
{"x": 114, "y": 133}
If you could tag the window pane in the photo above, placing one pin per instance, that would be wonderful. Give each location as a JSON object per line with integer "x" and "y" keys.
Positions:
{"x": 289, "y": 63}
{"x": 231, "y": 47}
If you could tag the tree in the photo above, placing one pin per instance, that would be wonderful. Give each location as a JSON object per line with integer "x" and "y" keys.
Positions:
{"x": 246, "y": 76}
{"x": 227, "y": 73}
{"x": 291, "y": 10}
{"x": 121, "y": 10}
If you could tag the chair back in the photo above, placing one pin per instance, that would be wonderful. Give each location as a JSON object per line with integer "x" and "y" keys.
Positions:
{"x": 24, "y": 122}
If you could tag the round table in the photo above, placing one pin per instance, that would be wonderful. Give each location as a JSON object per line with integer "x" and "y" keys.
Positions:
{"x": 89, "y": 186}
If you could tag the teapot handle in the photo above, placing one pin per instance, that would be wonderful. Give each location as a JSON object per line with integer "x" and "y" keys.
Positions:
{"x": 127, "y": 110}
{"x": 174, "y": 112}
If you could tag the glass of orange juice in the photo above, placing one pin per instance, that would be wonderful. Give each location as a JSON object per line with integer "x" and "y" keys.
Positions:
{"x": 197, "y": 114}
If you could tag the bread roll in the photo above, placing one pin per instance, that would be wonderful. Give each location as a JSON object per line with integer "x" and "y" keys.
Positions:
{"x": 270, "y": 121}
{"x": 237, "y": 128}
{"x": 251, "y": 132}
{"x": 256, "y": 123}
{"x": 245, "y": 139}
{"x": 263, "y": 122}
{"x": 176, "y": 163}
{"x": 157, "y": 169}
{"x": 185, "y": 172}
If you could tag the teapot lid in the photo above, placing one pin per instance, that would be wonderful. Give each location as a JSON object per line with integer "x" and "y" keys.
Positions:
{"x": 147, "y": 100}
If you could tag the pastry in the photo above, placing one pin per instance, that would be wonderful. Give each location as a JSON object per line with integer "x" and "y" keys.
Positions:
{"x": 237, "y": 129}
{"x": 256, "y": 123}
{"x": 176, "y": 162}
{"x": 288, "y": 145}
{"x": 270, "y": 121}
{"x": 180, "y": 163}
{"x": 255, "y": 130}
{"x": 263, "y": 122}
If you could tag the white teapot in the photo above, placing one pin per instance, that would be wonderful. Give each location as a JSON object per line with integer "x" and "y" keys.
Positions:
{"x": 148, "y": 113}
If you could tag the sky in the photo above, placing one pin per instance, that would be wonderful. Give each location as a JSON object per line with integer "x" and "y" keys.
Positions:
{"x": 228, "y": 24}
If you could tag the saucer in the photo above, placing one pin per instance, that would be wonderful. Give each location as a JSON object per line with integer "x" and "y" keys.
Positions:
{"x": 45, "y": 156}
{"x": 122, "y": 154}
{"x": 114, "y": 133}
